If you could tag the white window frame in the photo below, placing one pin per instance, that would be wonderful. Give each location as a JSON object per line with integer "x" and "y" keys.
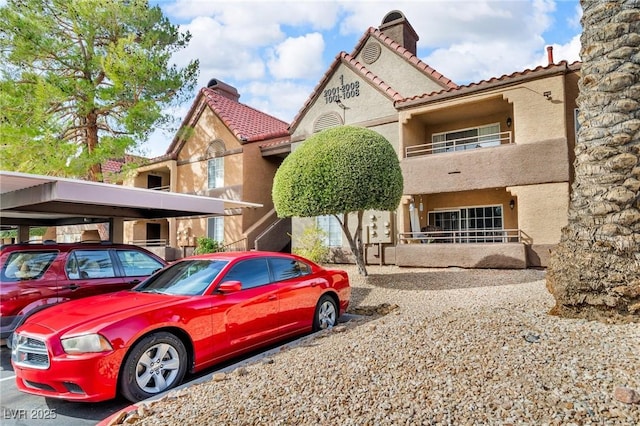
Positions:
{"x": 463, "y": 223}
{"x": 215, "y": 228}
{"x": 215, "y": 172}
{"x": 330, "y": 225}
{"x": 486, "y": 137}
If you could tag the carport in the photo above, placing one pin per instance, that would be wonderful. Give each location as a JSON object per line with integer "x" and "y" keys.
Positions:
{"x": 28, "y": 200}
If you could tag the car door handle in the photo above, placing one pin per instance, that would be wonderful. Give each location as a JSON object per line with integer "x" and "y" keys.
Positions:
{"x": 134, "y": 282}
{"x": 72, "y": 287}
{"x": 272, "y": 297}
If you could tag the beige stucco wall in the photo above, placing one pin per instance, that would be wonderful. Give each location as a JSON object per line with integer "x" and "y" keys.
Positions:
{"x": 493, "y": 167}
{"x": 536, "y": 117}
{"x": 487, "y": 197}
{"x": 369, "y": 104}
{"x": 510, "y": 255}
{"x": 542, "y": 211}
{"x": 408, "y": 83}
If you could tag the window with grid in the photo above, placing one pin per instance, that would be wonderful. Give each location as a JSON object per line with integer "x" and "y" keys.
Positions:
{"x": 331, "y": 226}
{"x": 470, "y": 225}
{"x": 215, "y": 169}
{"x": 465, "y": 139}
{"x": 215, "y": 228}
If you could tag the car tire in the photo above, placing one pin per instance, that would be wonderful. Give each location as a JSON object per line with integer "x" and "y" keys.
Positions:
{"x": 326, "y": 314}
{"x": 156, "y": 363}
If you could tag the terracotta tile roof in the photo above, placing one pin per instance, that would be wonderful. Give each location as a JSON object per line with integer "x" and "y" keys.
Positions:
{"x": 246, "y": 123}
{"x": 377, "y": 82}
{"x": 515, "y": 77}
{"x": 113, "y": 166}
{"x": 405, "y": 54}
{"x": 276, "y": 142}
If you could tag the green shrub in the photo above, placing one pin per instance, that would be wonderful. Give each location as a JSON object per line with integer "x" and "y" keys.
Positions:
{"x": 208, "y": 245}
{"x": 311, "y": 245}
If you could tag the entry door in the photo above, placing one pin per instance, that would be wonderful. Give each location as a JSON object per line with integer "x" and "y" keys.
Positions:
{"x": 153, "y": 233}
{"x": 446, "y": 220}
{"x": 154, "y": 181}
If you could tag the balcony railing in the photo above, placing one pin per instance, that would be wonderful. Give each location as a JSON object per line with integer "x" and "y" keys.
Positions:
{"x": 149, "y": 243}
{"x": 240, "y": 245}
{"x": 462, "y": 144}
{"x": 462, "y": 237}
{"x": 161, "y": 188}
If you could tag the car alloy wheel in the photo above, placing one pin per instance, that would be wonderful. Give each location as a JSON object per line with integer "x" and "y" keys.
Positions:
{"x": 326, "y": 313}
{"x": 158, "y": 368}
{"x": 157, "y": 363}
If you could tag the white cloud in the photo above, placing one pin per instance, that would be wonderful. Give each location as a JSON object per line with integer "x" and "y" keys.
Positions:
{"x": 574, "y": 21}
{"x": 252, "y": 15}
{"x": 275, "y": 52}
{"x": 298, "y": 57}
{"x": 282, "y": 100}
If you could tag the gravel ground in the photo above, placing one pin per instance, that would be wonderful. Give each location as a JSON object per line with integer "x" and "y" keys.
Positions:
{"x": 462, "y": 347}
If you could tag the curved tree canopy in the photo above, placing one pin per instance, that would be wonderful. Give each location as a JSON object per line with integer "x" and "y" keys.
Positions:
{"x": 83, "y": 81}
{"x": 339, "y": 170}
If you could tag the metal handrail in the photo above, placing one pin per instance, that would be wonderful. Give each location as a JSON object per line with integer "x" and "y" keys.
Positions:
{"x": 240, "y": 245}
{"x": 462, "y": 237}
{"x": 165, "y": 188}
{"x": 462, "y": 144}
{"x": 156, "y": 243}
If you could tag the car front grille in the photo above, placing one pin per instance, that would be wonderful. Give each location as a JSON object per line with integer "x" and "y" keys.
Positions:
{"x": 30, "y": 352}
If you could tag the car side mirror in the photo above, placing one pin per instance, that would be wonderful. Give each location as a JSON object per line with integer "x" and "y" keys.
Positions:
{"x": 229, "y": 287}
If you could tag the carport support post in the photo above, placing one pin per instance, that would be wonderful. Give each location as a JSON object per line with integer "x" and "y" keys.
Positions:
{"x": 22, "y": 234}
{"x": 116, "y": 230}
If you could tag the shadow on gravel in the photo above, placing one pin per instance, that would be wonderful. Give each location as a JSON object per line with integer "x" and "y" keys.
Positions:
{"x": 453, "y": 279}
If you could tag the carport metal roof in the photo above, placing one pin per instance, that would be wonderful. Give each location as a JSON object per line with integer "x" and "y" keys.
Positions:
{"x": 35, "y": 200}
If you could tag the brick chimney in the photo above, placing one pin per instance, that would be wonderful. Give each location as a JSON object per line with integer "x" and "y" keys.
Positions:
{"x": 396, "y": 26}
{"x": 223, "y": 89}
{"x": 550, "y": 54}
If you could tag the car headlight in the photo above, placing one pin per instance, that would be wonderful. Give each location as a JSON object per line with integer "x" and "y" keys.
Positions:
{"x": 86, "y": 344}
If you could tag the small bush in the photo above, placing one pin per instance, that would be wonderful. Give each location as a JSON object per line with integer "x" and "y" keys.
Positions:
{"x": 208, "y": 245}
{"x": 311, "y": 245}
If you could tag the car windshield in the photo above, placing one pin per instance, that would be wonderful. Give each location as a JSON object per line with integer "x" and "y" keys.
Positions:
{"x": 184, "y": 278}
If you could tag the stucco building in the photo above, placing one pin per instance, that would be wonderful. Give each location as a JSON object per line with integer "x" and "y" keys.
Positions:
{"x": 487, "y": 166}
{"x": 487, "y": 170}
{"x": 218, "y": 153}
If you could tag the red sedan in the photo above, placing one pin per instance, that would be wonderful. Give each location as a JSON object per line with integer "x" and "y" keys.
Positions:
{"x": 191, "y": 315}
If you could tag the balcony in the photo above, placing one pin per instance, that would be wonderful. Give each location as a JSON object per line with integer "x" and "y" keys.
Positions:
{"x": 442, "y": 168}
{"x": 459, "y": 144}
{"x": 477, "y": 248}
{"x": 462, "y": 237}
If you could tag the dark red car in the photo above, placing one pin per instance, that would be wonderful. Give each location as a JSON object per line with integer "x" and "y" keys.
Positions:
{"x": 34, "y": 276}
{"x": 195, "y": 313}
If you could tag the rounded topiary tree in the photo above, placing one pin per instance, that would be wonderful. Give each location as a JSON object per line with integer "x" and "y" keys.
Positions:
{"x": 339, "y": 171}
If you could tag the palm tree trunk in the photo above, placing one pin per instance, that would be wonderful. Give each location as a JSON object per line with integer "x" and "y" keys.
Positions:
{"x": 594, "y": 272}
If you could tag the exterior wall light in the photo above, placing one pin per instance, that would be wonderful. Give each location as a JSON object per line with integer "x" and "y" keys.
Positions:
{"x": 509, "y": 121}
{"x": 512, "y": 204}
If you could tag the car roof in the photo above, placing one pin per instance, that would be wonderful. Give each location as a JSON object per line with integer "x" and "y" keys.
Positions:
{"x": 52, "y": 245}
{"x": 232, "y": 255}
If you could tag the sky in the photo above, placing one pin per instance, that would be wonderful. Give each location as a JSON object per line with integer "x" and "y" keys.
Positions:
{"x": 275, "y": 52}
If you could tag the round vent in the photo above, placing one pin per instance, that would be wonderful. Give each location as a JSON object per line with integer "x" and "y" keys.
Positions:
{"x": 371, "y": 53}
{"x": 329, "y": 119}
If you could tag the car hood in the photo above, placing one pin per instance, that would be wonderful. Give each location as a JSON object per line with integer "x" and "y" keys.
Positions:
{"x": 91, "y": 314}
